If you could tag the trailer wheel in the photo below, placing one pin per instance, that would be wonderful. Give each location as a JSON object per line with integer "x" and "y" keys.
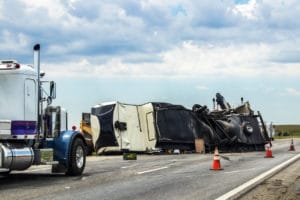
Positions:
{"x": 77, "y": 158}
{"x": 247, "y": 128}
{"x": 5, "y": 173}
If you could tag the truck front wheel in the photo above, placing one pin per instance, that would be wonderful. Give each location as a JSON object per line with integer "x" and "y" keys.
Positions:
{"x": 77, "y": 158}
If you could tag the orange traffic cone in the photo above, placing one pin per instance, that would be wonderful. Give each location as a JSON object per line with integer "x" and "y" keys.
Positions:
{"x": 216, "y": 162}
{"x": 268, "y": 151}
{"x": 292, "y": 147}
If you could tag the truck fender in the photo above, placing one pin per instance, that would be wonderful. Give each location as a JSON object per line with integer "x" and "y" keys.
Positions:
{"x": 63, "y": 144}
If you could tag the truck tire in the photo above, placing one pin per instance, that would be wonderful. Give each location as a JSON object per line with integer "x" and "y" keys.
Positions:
{"x": 77, "y": 158}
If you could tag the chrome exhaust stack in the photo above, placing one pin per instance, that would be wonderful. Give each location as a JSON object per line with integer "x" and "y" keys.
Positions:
{"x": 36, "y": 57}
{"x": 36, "y": 65}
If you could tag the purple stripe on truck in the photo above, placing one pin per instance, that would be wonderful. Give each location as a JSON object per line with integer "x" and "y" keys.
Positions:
{"x": 23, "y": 127}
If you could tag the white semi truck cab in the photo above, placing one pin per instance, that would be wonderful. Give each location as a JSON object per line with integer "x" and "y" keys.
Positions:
{"x": 32, "y": 132}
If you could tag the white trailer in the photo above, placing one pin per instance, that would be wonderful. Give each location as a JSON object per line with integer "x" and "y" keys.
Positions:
{"x": 143, "y": 128}
{"x": 117, "y": 126}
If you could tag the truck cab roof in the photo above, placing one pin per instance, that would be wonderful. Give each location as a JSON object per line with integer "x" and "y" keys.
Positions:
{"x": 12, "y": 66}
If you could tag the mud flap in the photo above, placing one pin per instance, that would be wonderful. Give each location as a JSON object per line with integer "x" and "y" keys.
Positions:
{"x": 58, "y": 168}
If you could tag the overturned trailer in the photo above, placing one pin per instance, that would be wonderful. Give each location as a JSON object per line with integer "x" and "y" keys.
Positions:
{"x": 143, "y": 128}
{"x": 150, "y": 127}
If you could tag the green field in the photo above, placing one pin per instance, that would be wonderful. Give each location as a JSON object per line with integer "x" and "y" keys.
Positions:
{"x": 287, "y": 131}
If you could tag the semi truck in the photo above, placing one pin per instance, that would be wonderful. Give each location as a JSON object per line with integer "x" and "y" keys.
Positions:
{"x": 32, "y": 130}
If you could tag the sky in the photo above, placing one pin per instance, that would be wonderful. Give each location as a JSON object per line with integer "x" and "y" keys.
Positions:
{"x": 180, "y": 52}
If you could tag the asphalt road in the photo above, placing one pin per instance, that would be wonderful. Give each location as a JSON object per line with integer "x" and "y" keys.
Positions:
{"x": 184, "y": 176}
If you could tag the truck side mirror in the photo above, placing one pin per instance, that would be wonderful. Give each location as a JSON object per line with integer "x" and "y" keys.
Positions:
{"x": 52, "y": 89}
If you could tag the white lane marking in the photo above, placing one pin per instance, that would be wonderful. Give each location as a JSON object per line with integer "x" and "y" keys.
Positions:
{"x": 245, "y": 170}
{"x": 152, "y": 170}
{"x": 124, "y": 167}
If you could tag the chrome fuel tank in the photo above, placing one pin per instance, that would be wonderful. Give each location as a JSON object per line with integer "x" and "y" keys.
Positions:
{"x": 15, "y": 158}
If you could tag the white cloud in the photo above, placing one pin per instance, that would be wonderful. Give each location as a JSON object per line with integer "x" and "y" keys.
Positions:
{"x": 246, "y": 10}
{"x": 1, "y": 10}
{"x": 71, "y": 4}
{"x": 13, "y": 42}
{"x": 145, "y": 4}
{"x": 292, "y": 92}
{"x": 54, "y": 8}
{"x": 201, "y": 87}
{"x": 189, "y": 61}
{"x": 145, "y": 38}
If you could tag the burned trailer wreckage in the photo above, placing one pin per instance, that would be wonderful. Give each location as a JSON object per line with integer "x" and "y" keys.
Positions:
{"x": 153, "y": 127}
{"x": 232, "y": 129}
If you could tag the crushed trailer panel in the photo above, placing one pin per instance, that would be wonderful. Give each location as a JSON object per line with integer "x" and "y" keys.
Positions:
{"x": 176, "y": 127}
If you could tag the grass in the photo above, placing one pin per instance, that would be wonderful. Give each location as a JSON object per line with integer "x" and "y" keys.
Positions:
{"x": 291, "y": 130}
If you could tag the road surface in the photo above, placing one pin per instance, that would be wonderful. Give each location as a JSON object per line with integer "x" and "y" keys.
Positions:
{"x": 184, "y": 176}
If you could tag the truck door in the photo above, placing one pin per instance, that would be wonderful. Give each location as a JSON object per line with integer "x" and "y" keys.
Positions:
{"x": 30, "y": 101}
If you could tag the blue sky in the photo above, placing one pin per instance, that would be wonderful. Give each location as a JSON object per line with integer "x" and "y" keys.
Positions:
{"x": 181, "y": 52}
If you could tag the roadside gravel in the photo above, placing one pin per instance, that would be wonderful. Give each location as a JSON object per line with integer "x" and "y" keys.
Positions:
{"x": 282, "y": 186}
